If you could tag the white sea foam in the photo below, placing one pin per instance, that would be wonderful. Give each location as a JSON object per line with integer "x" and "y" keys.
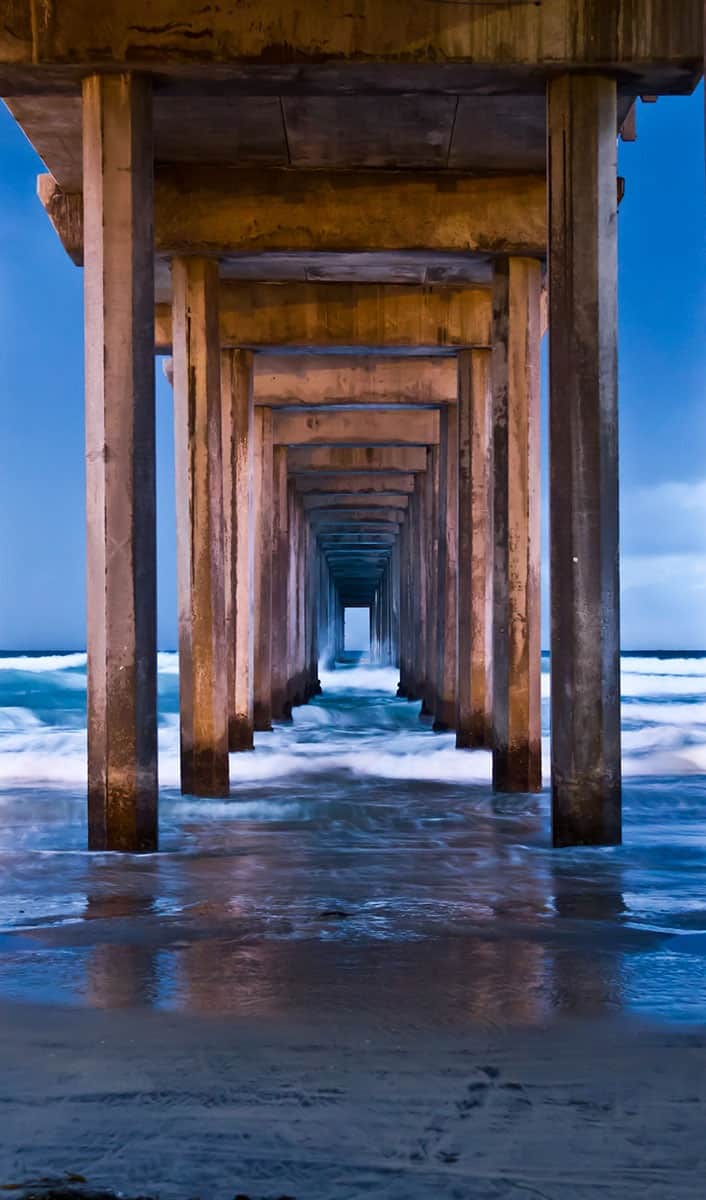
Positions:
{"x": 367, "y": 735}
{"x": 37, "y": 664}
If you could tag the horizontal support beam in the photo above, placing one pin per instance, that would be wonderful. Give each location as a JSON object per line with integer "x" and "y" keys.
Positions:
{"x": 286, "y": 46}
{"x": 358, "y": 504}
{"x": 217, "y": 212}
{"x": 214, "y": 211}
{"x": 363, "y": 541}
{"x": 362, "y": 574}
{"x": 302, "y": 460}
{"x": 338, "y": 315}
{"x": 376, "y": 483}
{"x": 311, "y": 380}
{"x": 357, "y": 555}
{"x": 411, "y": 428}
{"x": 323, "y": 524}
{"x": 340, "y": 517}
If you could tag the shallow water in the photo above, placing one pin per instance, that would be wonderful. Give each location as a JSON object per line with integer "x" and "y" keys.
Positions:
{"x": 361, "y": 864}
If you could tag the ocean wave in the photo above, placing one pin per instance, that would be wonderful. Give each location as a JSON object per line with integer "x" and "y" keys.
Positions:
{"x": 356, "y": 728}
{"x": 39, "y": 663}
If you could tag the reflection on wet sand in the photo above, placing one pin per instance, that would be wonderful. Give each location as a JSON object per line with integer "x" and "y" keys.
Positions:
{"x": 496, "y": 978}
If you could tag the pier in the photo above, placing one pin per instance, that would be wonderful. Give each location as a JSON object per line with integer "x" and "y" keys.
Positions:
{"x": 347, "y": 231}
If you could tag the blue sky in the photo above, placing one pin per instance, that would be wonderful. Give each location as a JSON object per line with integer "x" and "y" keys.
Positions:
{"x": 662, "y": 379}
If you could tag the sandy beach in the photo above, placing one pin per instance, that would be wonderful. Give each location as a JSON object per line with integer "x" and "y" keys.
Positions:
{"x": 184, "y": 1106}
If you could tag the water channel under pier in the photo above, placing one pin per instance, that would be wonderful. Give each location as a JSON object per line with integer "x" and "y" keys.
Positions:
{"x": 362, "y": 864}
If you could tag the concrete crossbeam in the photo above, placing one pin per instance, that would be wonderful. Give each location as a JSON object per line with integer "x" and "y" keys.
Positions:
{"x": 375, "y": 483}
{"x": 304, "y": 460}
{"x": 311, "y": 380}
{"x": 326, "y": 41}
{"x": 216, "y": 211}
{"x": 337, "y": 315}
{"x": 418, "y": 428}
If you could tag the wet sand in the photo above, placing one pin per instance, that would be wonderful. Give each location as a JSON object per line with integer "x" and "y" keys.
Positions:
{"x": 325, "y": 1107}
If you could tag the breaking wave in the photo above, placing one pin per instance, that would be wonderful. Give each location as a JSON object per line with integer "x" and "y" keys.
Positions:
{"x": 356, "y": 729}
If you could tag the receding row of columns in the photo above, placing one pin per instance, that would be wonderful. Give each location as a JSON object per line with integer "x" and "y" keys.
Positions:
{"x": 455, "y": 597}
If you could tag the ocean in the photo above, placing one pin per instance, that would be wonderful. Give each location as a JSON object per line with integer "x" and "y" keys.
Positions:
{"x": 359, "y": 854}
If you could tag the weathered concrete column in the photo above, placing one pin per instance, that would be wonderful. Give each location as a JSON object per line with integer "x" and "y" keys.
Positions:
{"x": 293, "y": 596}
{"x": 447, "y": 628}
{"x": 238, "y": 466}
{"x": 585, "y": 605}
{"x": 475, "y": 550}
{"x": 263, "y": 567}
{"x": 311, "y": 674}
{"x": 517, "y": 745}
{"x": 327, "y": 636}
{"x": 395, "y": 602}
{"x": 380, "y": 608}
{"x": 315, "y": 684}
{"x": 203, "y": 653}
{"x": 405, "y": 687}
{"x": 280, "y": 610}
{"x": 431, "y": 558}
{"x": 421, "y": 570}
{"x": 298, "y": 690}
{"x": 340, "y": 627}
{"x": 302, "y": 696}
{"x": 120, "y": 463}
{"x": 386, "y": 616}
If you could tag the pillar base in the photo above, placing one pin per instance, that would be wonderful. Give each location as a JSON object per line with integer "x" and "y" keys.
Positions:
{"x": 125, "y": 839}
{"x": 240, "y": 735}
{"x": 586, "y": 815}
{"x": 517, "y": 772}
{"x": 204, "y": 775}
{"x": 472, "y": 739}
{"x": 445, "y": 717}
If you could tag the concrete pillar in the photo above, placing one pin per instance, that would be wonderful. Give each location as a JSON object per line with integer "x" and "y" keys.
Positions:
{"x": 395, "y": 602}
{"x": 340, "y": 627}
{"x": 585, "y": 603}
{"x": 120, "y": 463}
{"x": 327, "y": 617}
{"x": 313, "y": 614}
{"x": 302, "y": 696}
{"x": 447, "y": 630}
{"x": 263, "y": 568}
{"x": 404, "y": 540}
{"x": 475, "y": 550}
{"x": 420, "y": 593}
{"x": 431, "y": 557}
{"x": 298, "y": 589}
{"x": 238, "y": 464}
{"x": 292, "y": 596}
{"x": 387, "y": 615}
{"x": 280, "y": 610}
{"x": 382, "y": 620}
{"x": 311, "y": 672}
{"x": 203, "y": 654}
{"x": 517, "y": 747}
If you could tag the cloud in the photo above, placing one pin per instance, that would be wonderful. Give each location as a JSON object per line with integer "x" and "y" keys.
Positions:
{"x": 664, "y": 519}
{"x": 663, "y": 567}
